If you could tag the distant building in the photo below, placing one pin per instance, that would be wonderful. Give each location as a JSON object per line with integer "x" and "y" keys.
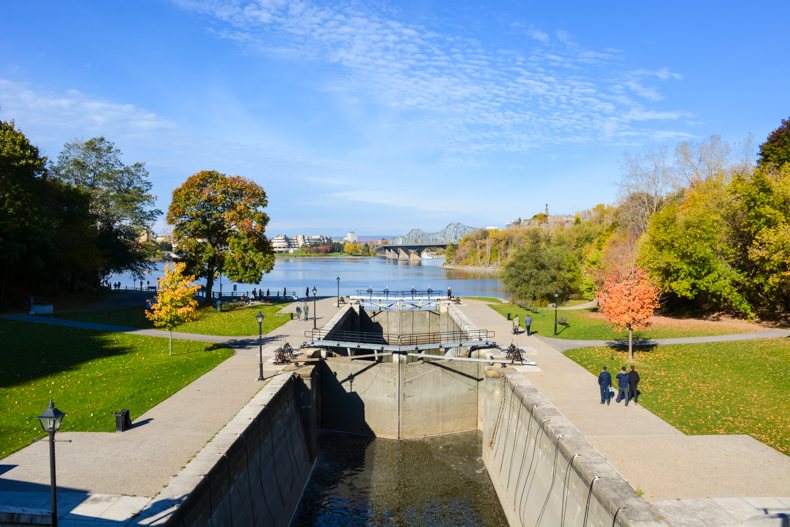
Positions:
{"x": 287, "y": 244}
{"x": 351, "y": 237}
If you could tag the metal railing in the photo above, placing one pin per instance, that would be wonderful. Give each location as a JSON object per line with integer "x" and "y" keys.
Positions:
{"x": 402, "y": 339}
{"x": 409, "y": 293}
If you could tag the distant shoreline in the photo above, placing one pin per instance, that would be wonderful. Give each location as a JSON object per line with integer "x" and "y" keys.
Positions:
{"x": 472, "y": 268}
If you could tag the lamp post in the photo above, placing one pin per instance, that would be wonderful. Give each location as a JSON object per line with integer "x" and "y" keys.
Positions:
{"x": 412, "y": 292}
{"x": 338, "y": 291}
{"x": 259, "y": 318}
{"x": 556, "y": 296}
{"x": 50, "y": 421}
{"x": 315, "y": 313}
{"x": 429, "y": 293}
{"x": 387, "y": 293}
{"x": 370, "y": 294}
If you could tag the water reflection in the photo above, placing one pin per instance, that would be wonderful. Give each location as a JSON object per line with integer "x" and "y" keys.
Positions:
{"x": 437, "y": 481}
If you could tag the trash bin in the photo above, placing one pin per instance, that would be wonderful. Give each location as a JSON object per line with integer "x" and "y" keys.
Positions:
{"x": 122, "y": 421}
{"x": 219, "y": 306}
{"x": 508, "y": 316}
{"x": 292, "y": 316}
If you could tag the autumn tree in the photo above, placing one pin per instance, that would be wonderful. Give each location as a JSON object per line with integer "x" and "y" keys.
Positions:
{"x": 219, "y": 227}
{"x": 628, "y": 299}
{"x": 776, "y": 148}
{"x": 120, "y": 201}
{"x": 175, "y": 301}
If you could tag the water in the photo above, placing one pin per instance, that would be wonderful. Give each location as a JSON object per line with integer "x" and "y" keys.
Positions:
{"x": 296, "y": 274}
{"x": 439, "y": 481}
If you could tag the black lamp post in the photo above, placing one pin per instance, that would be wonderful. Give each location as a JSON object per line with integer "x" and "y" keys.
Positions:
{"x": 259, "y": 318}
{"x": 556, "y": 296}
{"x": 370, "y": 294}
{"x": 315, "y": 313}
{"x": 338, "y": 291}
{"x": 387, "y": 292}
{"x": 429, "y": 294}
{"x": 412, "y": 292}
{"x": 50, "y": 421}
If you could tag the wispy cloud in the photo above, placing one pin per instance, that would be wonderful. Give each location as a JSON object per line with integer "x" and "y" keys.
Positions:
{"x": 475, "y": 98}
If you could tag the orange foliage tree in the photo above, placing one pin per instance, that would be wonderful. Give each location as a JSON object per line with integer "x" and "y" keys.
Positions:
{"x": 628, "y": 299}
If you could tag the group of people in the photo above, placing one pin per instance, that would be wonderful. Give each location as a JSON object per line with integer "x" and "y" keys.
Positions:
{"x": 527, "y": 325}
{"x": 627, "y": 386}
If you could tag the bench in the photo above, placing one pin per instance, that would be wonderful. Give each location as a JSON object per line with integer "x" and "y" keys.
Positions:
{"x": 563, "y": 322}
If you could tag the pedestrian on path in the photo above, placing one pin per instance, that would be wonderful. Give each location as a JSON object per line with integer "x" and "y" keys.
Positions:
{"x": 605, "y": 384}
{"x": 449, "y": 293}
{"x": 528, "y": 324}
{"x": 516, "y": 326}
{"x": 623, "y": 391}
{"x": 306, "y": 310}
{"x": 633, "y": 384}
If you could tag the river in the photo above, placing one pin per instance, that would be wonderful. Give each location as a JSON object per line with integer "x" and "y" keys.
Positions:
{"x": 297, "y": 274}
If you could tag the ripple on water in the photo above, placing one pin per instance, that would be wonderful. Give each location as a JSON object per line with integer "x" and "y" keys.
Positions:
{"x": 437, "y": 481}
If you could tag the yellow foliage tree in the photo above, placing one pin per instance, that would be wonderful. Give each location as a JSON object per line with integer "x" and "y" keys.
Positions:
{"x": 175, "y": 301}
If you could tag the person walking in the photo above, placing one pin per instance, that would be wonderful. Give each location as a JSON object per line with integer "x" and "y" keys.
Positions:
{"x": 605, "y": 383}
{"x": 306, "y": 311}
{"x": 449, "y": 293}
{"x": 623, "y": 391}
{"x": 633, "y": 384}
{"x": 528, "y": 324}
{"x": 516, "y": 325}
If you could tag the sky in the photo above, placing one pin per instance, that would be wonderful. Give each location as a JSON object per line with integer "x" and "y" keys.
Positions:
{"x": 378, "y": 117}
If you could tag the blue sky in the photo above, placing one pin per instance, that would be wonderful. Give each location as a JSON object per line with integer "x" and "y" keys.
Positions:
{"x": 381, "y": 116}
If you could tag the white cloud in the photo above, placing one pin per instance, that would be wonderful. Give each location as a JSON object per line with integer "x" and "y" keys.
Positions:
{"x": 477, "y": 99}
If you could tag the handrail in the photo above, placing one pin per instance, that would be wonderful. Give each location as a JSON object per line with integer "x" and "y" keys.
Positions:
{"x": 408, "y": 293}
{"x": 400, "y": 339}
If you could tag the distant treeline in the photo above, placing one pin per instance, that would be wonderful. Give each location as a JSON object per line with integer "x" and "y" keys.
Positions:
{"x": 712, "y": 231}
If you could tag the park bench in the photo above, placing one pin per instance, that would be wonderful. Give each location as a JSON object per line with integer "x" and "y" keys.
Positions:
{"x": 563, "y": 322}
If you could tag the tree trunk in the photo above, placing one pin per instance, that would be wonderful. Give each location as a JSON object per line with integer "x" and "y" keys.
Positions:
{"x": 630, "y": 345}
{"x": 209, "y": 286}
{"x": 170, "y": 344}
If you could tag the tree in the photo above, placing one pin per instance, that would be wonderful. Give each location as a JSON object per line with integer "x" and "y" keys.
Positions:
{"x": 449, "y": 253}
{"x": 219, "y": 227}
{"x": 537, "y": 269}
{"x": 175, "y": 301}
{"x": 120, "y": 201}
{"x": 776, "y": 149}
{"x": 628, "y": 299}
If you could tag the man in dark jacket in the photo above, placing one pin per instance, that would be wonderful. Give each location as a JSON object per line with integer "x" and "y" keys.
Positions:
{"x": 604, "y": 383}
{"x": 528, "y": 325}
{"x": 622, "y": 387}
{"x": 633, "y": 384}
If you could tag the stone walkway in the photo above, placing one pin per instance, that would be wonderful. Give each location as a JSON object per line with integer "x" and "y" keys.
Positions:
{"x": 119, "y": 472}
{"x": 653, "y": 456}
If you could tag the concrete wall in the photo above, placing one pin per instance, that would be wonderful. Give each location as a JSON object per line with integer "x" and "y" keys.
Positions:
{"x": 404, "y": 322}
{"x": 399, "y": 399}
{"x": 543, "y": 470}
{"x": 253, "y": 472}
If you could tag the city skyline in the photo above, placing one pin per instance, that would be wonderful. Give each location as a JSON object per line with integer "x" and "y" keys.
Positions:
{"x": 393, "y": 116}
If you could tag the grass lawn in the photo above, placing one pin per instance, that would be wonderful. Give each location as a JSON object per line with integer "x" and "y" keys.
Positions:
{"x": 89, "y": 375}
{"x": 489, "y": 299}
{"x": 233, "y": 321}
{"x": 713, "y": 388}
{"x": 588, "y": 324}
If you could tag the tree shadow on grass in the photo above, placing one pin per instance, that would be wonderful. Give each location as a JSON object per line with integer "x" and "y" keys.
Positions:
{"x": 638, "y": 345}
{"x": 32, "y": 351}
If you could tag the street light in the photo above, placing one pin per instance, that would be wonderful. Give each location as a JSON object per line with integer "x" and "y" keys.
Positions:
{"x": 50, "y": 421}
{"x": 315, "y": 314}
{"x": 412, "y": 292}
{"x": 386, "y": 292}
{"x": 370, "y": 294}
{"x": 338, "y": 291}
{"x": 259, "y": 318}
{"x": 429, "y": 293}
{"x": 556, "y": 295}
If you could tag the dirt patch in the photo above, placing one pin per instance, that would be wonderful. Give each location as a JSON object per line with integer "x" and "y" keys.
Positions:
{"x": 732, "y": 325}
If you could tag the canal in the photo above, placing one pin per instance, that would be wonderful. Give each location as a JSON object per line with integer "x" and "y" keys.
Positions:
{"x": 297, "y": 274}
{"x": 437, "y": 481}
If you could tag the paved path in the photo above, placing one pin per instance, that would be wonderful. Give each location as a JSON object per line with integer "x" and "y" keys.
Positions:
{"x": 652, "y": 455}
{"x": 140, "y": 461}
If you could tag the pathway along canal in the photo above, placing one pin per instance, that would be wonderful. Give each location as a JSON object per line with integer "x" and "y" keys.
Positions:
{"x": 437, "y": 481}
{"x": 297, "y": 274}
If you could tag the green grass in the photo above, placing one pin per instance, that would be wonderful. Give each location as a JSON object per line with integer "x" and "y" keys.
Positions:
{"x": 713, "y": 388}
{"x": 489, "y": 299}
{"x": 581, "y": 327}
{"x": 89, "y": 375}
{"x": 232, "y": 322}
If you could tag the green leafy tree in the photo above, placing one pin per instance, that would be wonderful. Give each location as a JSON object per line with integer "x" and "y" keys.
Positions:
{"x": 687, "y": 253}
{"x": 776, "y": 149}
{"x": 175, "y": 301}
{"x": 120, "y": 201}
{"x": 537, "y": 270}
{"x": 219, "y": 226}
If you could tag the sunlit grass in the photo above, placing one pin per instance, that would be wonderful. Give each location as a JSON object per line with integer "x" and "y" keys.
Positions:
{"x": 233, "y": 321}
{"x": 713, "y": 388}
{"x": 583, "y": 326}
{"x": 90, "y": 375}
